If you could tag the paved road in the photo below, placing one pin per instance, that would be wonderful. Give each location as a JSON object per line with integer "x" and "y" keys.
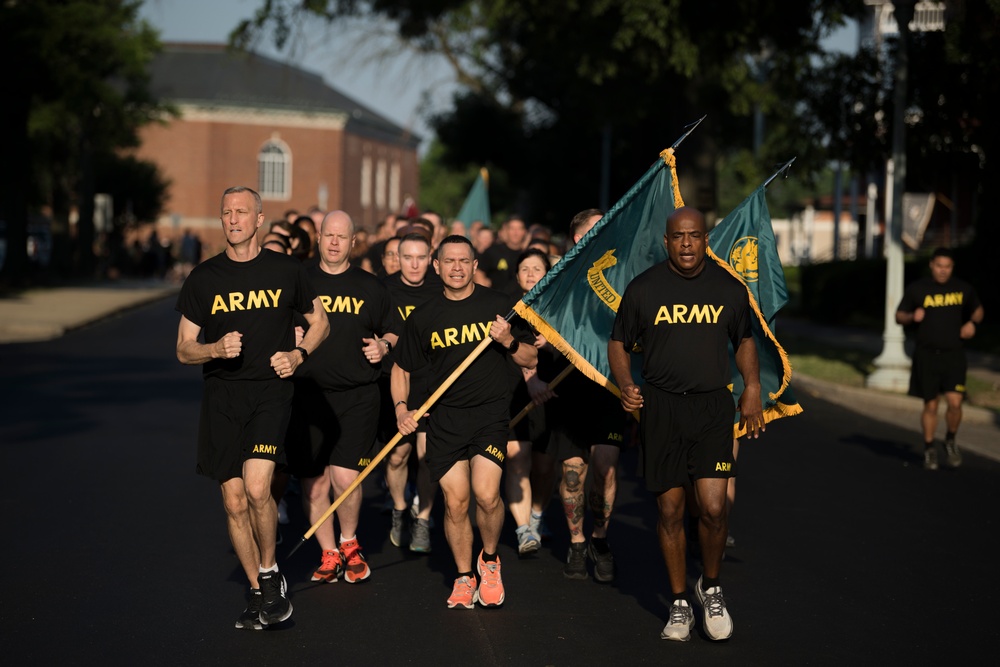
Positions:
{"x": 116, "y": 551}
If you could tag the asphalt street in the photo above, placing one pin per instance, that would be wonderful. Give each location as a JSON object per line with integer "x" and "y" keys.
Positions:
{"x": 847, "y": 551}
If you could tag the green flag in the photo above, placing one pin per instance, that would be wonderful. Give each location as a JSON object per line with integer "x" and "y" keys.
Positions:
{"x": 744, "y": 244}
{"x": 575, "y": 304}
{"x": 477, "y": 202}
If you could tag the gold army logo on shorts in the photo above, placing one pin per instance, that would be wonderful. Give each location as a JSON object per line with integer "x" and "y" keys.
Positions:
{"x": 723, "y": 466}
{"x": 743, "y": 258}
{"x": 495, "y": 453}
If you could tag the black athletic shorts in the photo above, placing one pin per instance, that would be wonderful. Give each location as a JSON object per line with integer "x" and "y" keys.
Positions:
{"x": 458, "y": 434}
{"x": 935, "y": 372}
{"x": 582, "y": 417}
{"x": 332, "y": 428}
{"x": 240, "y": 420}
{"x": 685, "y": 437}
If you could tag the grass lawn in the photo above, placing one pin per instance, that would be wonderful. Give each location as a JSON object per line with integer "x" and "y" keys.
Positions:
{"x": 850, "y": 367}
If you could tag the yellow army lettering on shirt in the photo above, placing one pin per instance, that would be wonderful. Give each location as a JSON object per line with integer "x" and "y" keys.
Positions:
{"x": 342, "y": 304}
{"x": 404, "y": 311}
{"x": 364, "y": 462}
{"x": 250, "y": 301}
{"x": 681, "y": 314}
{"x": 939, "y": 300}
{"x": 495, "y": 453}
{"x": 265, "y": 449}
{"x": 469, "y": 333}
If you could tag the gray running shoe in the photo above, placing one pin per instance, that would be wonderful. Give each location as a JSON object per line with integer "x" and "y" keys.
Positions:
{"x": 604, "y": 564}
{"x": 718, "y": 622}
{"x": 576, "y": 561}
{"x": 952, "y": 455}
{"x": 275, "y": 606}
{"x": 678, "y": 627}
{"x": 930, "y": 458}
{"x": 527, "y": 541}
{"x": 398, "y": 534}
{"x": 250, "y": 618}
{"x": 420, "y": 539}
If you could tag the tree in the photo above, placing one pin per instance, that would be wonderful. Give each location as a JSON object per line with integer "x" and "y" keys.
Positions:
{"x": 544, "y": 83}
{"x": 76, "y": 90}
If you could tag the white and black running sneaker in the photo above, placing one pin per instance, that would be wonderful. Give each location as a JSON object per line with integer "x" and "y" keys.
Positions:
{"x": 678, "y": 627}
{"x": 275, "y": 606}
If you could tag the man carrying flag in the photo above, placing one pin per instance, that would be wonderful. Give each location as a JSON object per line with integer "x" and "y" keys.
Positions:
{"x": 686, "y": 312}
{"x": 467, "y": 432}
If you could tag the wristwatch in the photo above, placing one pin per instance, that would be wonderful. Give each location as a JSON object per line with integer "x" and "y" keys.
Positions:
{"x": 512, "y": 348}
{"x": 388, "y": 345}
{"x": 305, "y": 355}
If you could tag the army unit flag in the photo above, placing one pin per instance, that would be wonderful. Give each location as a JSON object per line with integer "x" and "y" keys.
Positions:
{"x": 477, "y": 202}
{"x": 575, "y": 304}
{"x": 744, "y": 244}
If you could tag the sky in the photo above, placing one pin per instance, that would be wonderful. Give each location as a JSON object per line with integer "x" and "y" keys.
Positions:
{"x": 405, "y": 89}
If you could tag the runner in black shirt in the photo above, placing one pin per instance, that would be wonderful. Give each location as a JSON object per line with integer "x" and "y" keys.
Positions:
{"x": 467, "y": 431}
{"x": 498, "y": 261}
{"x": 337, "y": 399}
{"x": 241, "y": 303}
{"x": 410, "y": 288}
{"x": 946, "y": 311}
{"x": 686, "y": 312}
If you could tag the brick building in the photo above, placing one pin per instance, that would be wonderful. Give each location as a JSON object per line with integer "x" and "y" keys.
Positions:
{"x": 250, "y": 120}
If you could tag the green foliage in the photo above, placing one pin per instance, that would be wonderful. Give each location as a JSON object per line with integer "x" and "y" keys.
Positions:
{"x": 76, "y": 93}
{"x": 136, "y": 186}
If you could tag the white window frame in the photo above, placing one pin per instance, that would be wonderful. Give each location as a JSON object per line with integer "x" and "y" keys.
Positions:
{"x": 274, "y": 170}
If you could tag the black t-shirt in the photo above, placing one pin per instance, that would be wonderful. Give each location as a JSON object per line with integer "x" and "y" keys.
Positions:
{"x": 357, "y": 305}
{"x": 443, "y": 333}
{"x": 406, "y": 298}
{"x": 258, "y": 298}
{"x": 500, "y": 265}
{"x": 685, "y": 326}
{"x": 946, "y": 307}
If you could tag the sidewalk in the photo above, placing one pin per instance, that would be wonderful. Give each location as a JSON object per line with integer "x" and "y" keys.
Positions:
{"x": 45, "y": 313}
{"x": 41, "y": 314}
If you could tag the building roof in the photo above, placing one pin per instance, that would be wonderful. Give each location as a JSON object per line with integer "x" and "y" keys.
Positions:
{"x": 210, "y": 74}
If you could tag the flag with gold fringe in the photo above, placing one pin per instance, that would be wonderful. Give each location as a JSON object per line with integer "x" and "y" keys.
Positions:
{"x": 574, "y": 304}
{"x": 744, "y": 244}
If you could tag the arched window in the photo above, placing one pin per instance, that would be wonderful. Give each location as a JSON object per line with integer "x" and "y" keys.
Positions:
{"x": 274, "y": 170}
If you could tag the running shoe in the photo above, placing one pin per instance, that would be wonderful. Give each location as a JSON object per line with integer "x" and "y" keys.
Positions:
{"x": 604, "y": 564}
{"x": 355, "y": 567}
{"x": 275, "y": 606}
{"x": 576, "y": 561}
{"x": 250, "y": 618}
{"x": 678, "y": 627}
{"x": 490, "y": 593}
{"x": 930, "y": 458}
{"x": 539, "y": 527}
{"x": 718, "y": 622}
{"x": 951, "y": 453}
{"x": 420, "y": 537}
{"x": 463, "y": 593}
{"x": 330, "y": 568}
{"x": 527, "y": 541}
{"x": 398, "y": 534}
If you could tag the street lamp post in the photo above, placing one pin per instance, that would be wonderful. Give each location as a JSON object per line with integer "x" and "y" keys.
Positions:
{"x": 892, "y": 366}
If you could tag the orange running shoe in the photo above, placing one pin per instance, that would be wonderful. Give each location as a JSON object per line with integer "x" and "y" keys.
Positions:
{"x": 490, "y": 592}
{"x": 463, "y": 594}
{"x": 330, "y": 568}
{"x": 355, "y": 567}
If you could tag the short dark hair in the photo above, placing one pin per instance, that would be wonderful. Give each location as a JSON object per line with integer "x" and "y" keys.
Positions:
{"x": 534, "y": 252}
{"x": 415, "y": 236}
{"x": 943, "y": 252}
{"x": 456, "y": 238}
{"x": 581, "y": 218}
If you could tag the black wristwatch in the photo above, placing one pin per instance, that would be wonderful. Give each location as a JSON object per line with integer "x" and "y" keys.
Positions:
{"x": 512, "y": 348}
{"x": 305, "y": 355}
{"x": 388, "y": 345}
